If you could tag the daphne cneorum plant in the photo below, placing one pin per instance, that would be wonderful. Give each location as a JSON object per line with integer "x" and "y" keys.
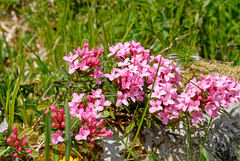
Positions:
{"x": 133, "y": 78}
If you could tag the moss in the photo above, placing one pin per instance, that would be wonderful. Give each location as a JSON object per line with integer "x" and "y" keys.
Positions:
{"x": 209, "y": 67}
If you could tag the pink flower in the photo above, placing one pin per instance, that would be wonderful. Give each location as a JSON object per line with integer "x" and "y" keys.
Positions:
{"x": 194, "y": 105}
{"x": 96, "y": 106}
{"x": 97, "y": 93}
{"x": 57, "y": 137}
{"x": 74, "y": 66}
{"x": 83, "y": 66}
{"x": 197, "y": 116}
{"x": 122, "y": 99}
{"x": 156, "y": 106}
{"x": 70, "y": 57}
{"x": 103, "y": 102}
{"x": 77, "y": 98}
{"x": 125, "y": 63}
{"x": 165, "y": 117}
{"x": 83, "y": 134}
{"x": 158, "y": 92}
{"x": 113, "y": 75}
{"x": 97, "y": 74}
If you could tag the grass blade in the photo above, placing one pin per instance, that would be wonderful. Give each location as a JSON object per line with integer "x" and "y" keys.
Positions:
{"x": 67, "y": 131}
{"x": 94, "y": 157}
{"x": 38, "y": 58}
{"x": 47, "y": 138}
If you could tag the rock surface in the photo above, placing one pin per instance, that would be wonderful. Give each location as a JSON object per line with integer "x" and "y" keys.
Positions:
{"x": 222, "y": 140}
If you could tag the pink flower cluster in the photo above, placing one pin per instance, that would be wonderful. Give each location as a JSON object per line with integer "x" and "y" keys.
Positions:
{"x": 58, "y": 119}
{"x": 209, "y": 95}
{"x": 134, "y": 72}
{"x": 85, "y": 59}
{"x": 18, "y": 144}
{"x": 88, "y": 115}
{"x": 134, "y": 75}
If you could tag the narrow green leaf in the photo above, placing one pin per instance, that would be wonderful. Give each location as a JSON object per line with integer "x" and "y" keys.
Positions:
{"x": 55, "y": 154}
{"x": 42, "y": 107}
{"x": 154, "y": 157}
{"x": 47, "y": 137}
{"x": 11, "y": 109}
{"x": 26, "y": 131}
{"x": 94, "y": 157}
{"x": 128, "y": 29}
{"x": 58, "y": 84}
{"x": 38, "y": 58}
{"x": 203, "y": 155}
{"x": 129, "y": 129}
{"x": 64, "y": 72}
{"x": 3, "y": 150}
{"x": 67, "y": 131}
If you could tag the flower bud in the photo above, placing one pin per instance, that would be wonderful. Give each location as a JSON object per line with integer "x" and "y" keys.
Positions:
{"x": 55, "y": 115}
{"x": 92, "y": 140}
{"x": 24, "y": 143}
{"x": 20, "y": 148}
{"x": 14, "y": 129}
{"x": 93, "y": 131}
{"x": 29, "y": 151}
{"x": 98, "y": 61}
{"x": 62, "y": 124}
{"x": 17, "y": 143}
{"x": 47, "y": 110}
{"x": 103, "y": 131}
{"x": 15, "y": 155}
{"x": 82, "y": 106}
{"x": 62, "y": 111}
{"x": 53, "y": 108}
{"x": 14, "y": 137}
{"x": 9, "y": 141}
{"x": 109, "y": 133}
{"x": 54, "y": 125}
{"x": 89, "y": 98}
{"x": 23, "y": 136}
{"x": 101, "y": 122}
{"x": 60, "y": 119}
{"x": 89, "y": 60}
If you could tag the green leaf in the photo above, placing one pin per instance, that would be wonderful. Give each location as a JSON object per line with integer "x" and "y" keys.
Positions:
{"x": 64, "y": 72}
{"x": 55, "y": 155}
{"x": 42, "y": 107}
{"x": 129, "y": 129}
{"x": 35, "y": 153}
{"x": 42, "y": 137}
{"x": 203, "y": 155}
{"x": 76, "y": 152}
{"x": 94, "y": 157}
{"x": 3, "y": 150}
{"x": 154, "y": 157}
{"x": 67, "y": 131}
{"x": 74, "y": 122}
{"x": 27, "y": 131}
{"x": 47, "y": 138}
{"x": 58, "y": 84}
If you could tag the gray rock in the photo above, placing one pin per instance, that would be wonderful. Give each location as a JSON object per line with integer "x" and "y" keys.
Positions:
{"x": 222, "y": 140}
